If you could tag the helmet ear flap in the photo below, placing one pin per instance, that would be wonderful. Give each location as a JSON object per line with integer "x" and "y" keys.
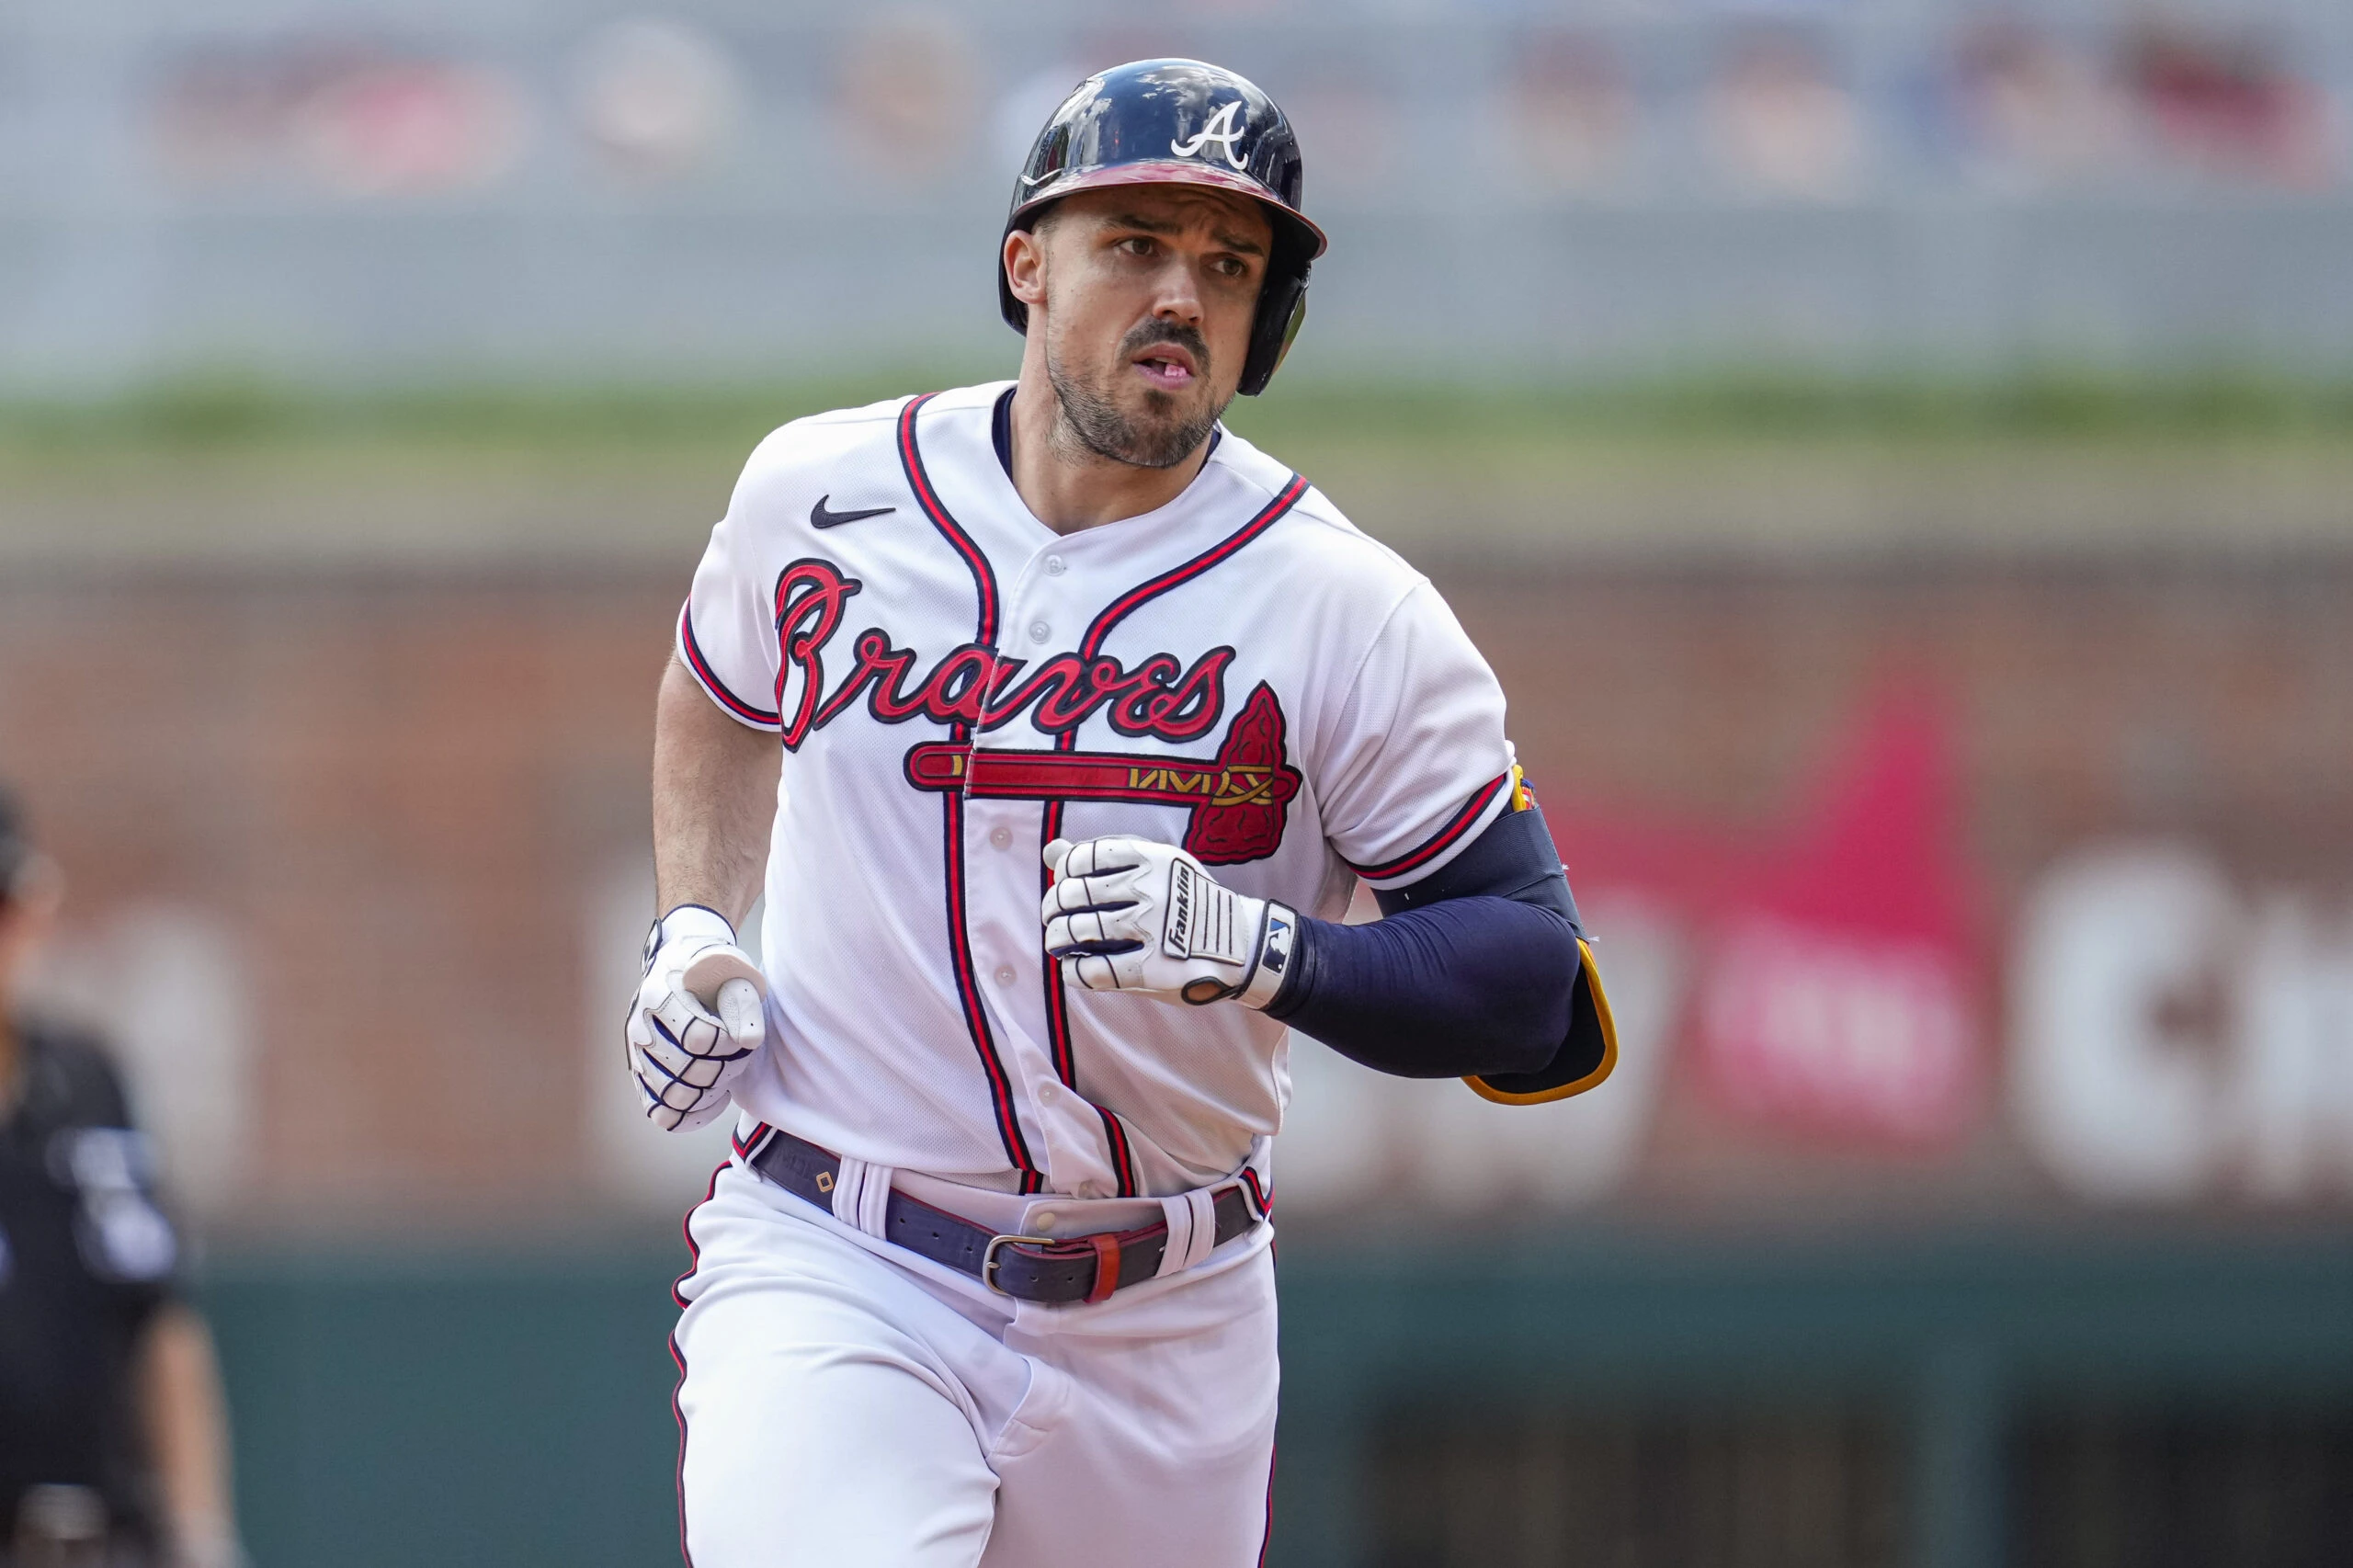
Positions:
{"x": 1282, "y": 311}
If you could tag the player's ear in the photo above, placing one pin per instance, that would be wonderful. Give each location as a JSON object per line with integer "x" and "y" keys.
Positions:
{"x": 1025, "y": 267}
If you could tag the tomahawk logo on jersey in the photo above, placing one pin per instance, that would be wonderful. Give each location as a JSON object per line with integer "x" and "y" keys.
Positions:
{"x": 1240, "y": 673}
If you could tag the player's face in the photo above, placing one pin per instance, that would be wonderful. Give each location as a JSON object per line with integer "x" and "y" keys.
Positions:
{"x": 1148, "y": 296}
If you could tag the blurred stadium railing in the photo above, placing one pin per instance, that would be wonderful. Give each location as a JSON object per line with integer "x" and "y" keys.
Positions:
{"x": 376, "y": 191}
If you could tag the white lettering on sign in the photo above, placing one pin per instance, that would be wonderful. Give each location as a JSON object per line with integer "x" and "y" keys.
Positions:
{"x": 2292, "y": 1099}
{"x": 2169, "y": 1041}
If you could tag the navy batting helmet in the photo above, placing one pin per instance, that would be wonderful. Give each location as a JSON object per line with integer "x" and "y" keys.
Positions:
{"x": 1180, "y": 121}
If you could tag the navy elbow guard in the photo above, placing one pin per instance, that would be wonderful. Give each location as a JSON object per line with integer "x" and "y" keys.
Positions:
{"x": 1586, "y": 1056}
{"x": 1516, "y": 858}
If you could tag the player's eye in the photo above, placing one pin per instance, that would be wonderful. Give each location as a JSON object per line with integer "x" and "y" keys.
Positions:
{"x": 1138, "y": 245}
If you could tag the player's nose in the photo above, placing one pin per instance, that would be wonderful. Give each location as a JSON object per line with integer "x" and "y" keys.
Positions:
{"x": 1179, "y": 295}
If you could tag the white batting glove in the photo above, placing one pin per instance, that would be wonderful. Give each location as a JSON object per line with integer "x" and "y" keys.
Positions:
{"x": 1129, "y": 915}
{"x": 698, "y": 1017}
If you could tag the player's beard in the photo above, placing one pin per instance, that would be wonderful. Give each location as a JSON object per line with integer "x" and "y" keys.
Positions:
{"x": 1163, "y": 438}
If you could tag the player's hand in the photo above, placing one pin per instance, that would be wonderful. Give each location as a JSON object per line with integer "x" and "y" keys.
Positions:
{"x": 1129, "y": 915}
{"x": 698, "y": 1017}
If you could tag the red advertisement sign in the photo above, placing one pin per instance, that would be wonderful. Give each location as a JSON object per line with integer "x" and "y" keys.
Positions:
{"x": 1837, "y": 991}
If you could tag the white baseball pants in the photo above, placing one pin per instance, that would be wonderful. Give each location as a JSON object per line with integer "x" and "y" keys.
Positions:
{"x": 844, "y": 1403}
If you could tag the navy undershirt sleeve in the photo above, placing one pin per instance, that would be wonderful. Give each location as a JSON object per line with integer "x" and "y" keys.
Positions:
{"x": 1463, "y": 987}
{"x": 1471, "y": 972}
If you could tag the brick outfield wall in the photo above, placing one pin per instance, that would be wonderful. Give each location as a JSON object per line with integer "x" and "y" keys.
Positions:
{"x": 399, "y": 794}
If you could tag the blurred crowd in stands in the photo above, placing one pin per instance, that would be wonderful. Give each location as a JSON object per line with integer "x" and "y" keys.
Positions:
{"x": 1805, "y": 105}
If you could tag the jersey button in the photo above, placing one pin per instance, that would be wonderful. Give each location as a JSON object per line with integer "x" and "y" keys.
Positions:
{"x": 1039, "y": 631}
{"x": 1001, "y": 837}
{"x": 1055, "y": 566}
{"x": 1004, "y": 975}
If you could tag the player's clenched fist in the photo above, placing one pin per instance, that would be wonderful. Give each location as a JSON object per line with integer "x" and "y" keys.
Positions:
{"x": 698, "y": 1017}
{"x": 1129, "y": 915}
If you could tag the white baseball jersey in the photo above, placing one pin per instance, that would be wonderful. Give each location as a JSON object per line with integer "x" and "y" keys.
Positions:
{"x": 1240, "y": 672}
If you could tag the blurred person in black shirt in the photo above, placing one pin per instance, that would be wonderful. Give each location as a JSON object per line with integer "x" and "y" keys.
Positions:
{"x": 113, "y": 1440}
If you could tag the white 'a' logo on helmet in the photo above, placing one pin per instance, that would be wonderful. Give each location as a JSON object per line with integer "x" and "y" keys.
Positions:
{"x": 1224, "y": 128}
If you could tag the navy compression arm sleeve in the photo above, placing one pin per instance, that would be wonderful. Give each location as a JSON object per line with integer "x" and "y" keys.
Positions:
{"x": 1451, "y": 988}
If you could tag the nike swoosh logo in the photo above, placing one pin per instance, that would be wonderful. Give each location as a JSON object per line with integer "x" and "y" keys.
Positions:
{"x": 821, "y": 518}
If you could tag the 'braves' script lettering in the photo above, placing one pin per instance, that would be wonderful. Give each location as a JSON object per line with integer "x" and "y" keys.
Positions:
{"x": 808, "y": 598}
{"x": 973, "y": 686}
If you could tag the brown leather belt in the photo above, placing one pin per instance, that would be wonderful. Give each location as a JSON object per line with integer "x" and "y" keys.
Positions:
{"x": 1054, "y": 1271}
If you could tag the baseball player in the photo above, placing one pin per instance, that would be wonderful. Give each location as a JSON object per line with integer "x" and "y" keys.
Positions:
{"x": 1091, "y": 718}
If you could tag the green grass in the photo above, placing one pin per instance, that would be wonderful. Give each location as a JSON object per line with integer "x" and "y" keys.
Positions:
{"x": 230, "y": 414}
{"x": 1749, "y": 405}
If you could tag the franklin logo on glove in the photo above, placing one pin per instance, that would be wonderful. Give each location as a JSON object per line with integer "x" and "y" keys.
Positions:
{"x": 1129, "y": 915}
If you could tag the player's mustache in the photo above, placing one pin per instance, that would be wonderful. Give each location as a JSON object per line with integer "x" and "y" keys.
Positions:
{"x": 1184, "y": 336}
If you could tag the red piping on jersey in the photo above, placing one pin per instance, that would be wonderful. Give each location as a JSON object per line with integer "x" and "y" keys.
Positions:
{"x": 1057, "y": 1004}
{"x": 701, "y": 668}
{"x": 1121, "y": 607}
{"x": 747, "y": 1147}
{"x": 1258, "y": 1195}
{"x": 1456, "y": 826}
{"x": 951, "y": 812}
{"x": 969, "y": 990}
{"x": 919, "y": 479}
{"x": 1115, "y": 1134}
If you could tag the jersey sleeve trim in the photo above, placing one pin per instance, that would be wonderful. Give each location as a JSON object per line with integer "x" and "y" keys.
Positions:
{"x": 1460, "y": 829}
{"x": 690, "y": 654}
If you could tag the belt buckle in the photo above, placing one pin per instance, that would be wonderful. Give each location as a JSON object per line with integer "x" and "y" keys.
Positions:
{"x": 988, "y": 1260}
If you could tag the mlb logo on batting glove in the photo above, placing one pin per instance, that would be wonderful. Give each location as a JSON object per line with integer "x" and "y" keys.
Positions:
{"x": 1129, "y": 915}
